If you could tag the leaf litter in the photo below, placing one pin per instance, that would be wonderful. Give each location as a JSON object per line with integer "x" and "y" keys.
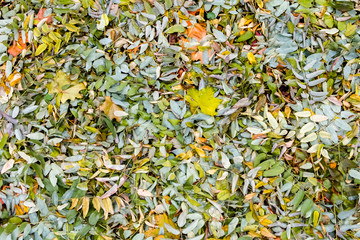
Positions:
{"x": 179, "y": 119}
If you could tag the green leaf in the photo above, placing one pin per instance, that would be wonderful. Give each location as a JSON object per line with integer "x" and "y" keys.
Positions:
{"x": 204, "y": 99}
{"x": 305, "y": 3}
{"x": 350, "y": 30}
{"x": 83, "y": 232}
{"x": 176, "y": 28}
{"x": 322, "y": 2}
{"x": 245, "y": 36}
{"x": 290, "y": 26}
{"x": 168, "y": 4}
{"x": 223, "y": 195}
{"x": 210, "y": 15}
{"x": 341, "y": 26}
{"x": 110, "y": 126}
{"x": 306, "y": 206}
{"x": 4, "y": 140}
{"x": 328, "y": 20}
{"x": 298, "y": 198}
{"x": 192, "y": 201}
{"x": 148, "y": 8}
{"x": 85, "y": 3}
{"x": 94, "y": 217}
{"x": 276, "y": 170}
{"x": 344, "y": 6}
{"x": 40, "y": 49}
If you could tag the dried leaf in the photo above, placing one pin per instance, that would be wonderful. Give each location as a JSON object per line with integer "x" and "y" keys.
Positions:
{"x": 110, "y": 108}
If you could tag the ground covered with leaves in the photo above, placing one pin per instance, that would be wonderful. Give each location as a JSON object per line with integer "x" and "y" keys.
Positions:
{"x": 160, "y": 119}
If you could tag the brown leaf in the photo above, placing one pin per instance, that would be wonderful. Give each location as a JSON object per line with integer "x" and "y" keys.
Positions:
{"x": 109, "y": 108}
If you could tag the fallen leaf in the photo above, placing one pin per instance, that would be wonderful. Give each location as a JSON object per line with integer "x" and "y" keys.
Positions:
{"x": 40, "y": 16}
{"x": 60, "y": 81}
{"x": 160, "y": 221}
{"x": 85, "y": 206}
{"x": 17, "y": 47}
{"x": 14, "y": 78}
{"x": 251, "y": 58}
{"x": 204, "y": 99}
{"x": 197, "y": 31}
{"x": 265, "y": 232}
{"x": 144, "y": 193}
{"x": 110, "y": 192}
{"x": 111, "y": 109}
{"x": 7, "y": 166}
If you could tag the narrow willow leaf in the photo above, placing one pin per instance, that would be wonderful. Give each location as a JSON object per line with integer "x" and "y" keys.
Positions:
{"x": 309, "y": 138}
{"x": 85, "y": 206}
{"x": 41, "y": 48}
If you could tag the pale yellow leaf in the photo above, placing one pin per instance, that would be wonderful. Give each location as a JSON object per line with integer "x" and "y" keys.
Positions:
{"x": 144, "y": 193}
{"x": 8, "y": 165}
{"x": 266, "y": 232}
{"x": 85, "y": 206}
{"x": 96, "y": 203}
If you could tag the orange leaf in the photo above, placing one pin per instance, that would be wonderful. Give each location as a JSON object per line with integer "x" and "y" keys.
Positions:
{"x": 198, "y": 56}
{"x": 332, "y": 165}
{"x": 197, "y": 31}
{"x": 260, "y": 135}
{"x": 17, "y": 47}
{"x": 40, "y": 16}
{"x": 159, "y": 237}
{"x": 153, "y": 232}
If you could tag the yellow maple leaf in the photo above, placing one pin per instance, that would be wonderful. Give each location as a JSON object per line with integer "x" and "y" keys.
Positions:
{"x": 204, "y": 99}
{"x": 109, "y": 108}
{"x": 61, "y": 80}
